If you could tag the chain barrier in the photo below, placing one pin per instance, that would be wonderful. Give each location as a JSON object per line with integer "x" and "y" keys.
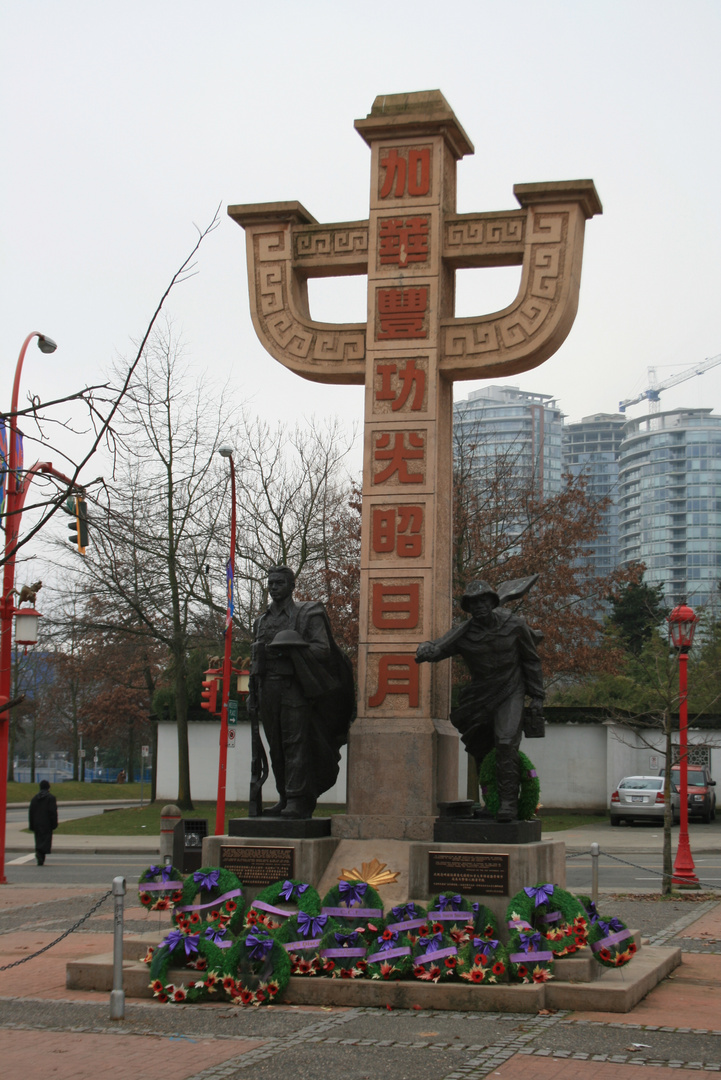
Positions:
{"x": 646, "y": 869}
{"x": 45, "y": 948}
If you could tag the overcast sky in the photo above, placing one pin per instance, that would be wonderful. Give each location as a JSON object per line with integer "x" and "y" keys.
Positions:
{"x": 125, "y": 124}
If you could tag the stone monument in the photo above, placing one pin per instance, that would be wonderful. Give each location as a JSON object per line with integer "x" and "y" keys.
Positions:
{"x": 403, "y": 751}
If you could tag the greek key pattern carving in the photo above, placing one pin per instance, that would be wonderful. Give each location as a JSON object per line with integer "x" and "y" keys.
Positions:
{"x": 484, "y": 231}
{"x": 333, "y": 242}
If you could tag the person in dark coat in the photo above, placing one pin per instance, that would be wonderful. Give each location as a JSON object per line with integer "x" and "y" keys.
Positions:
{"x": 43, "y": 819}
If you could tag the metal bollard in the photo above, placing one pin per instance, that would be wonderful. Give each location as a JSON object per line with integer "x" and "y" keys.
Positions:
{"x": 117, "y": 994}
{"x": 595, "y": 851}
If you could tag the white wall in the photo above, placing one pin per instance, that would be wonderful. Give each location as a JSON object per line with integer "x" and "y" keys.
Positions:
{"x": 579, "y": 765}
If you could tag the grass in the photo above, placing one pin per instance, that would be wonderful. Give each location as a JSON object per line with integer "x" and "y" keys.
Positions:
{"x": 74, "y": 791}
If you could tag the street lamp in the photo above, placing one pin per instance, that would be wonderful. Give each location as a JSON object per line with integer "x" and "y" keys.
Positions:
{"x": 682, "y": 624}
{"x": 16, "y": 488}
{"x": 227, "y": 452}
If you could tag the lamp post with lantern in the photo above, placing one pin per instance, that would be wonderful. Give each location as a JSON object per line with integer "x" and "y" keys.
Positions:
{"x": 682, "y": 625}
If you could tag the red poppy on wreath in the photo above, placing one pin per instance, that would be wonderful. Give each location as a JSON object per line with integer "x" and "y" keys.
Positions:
{"x": 145, "y": 898}
{"x": 346, "y": 973}
{"x": 329, "y": 965}
{"x": 177, "y": 896}
{"x": 499, "y": 968}
{"x": 180, "y": 994}
{"x": 149, "y": 955}
{"x": 195, "y": 918}
{"x": 423, "y": 931}
{"x": 163, "y": 904}
{"x": 437, "y": 928}
{"x": 387, "y": 935}
{"x": 475, "y": 975}
{"x": 156, "y": 986}
{"x": 540, "y": 975}
{"x": 163, "y": 998}
{"x": 431, "y": 976}
{"x": 522, "y": 971}
{"x": 229, "y": 984}
{"x": 245, "y": 997}
{"x": 214, "y": 915}
{"x": 632, "y": 948}
{"x": 489, "y": 931}
{"x": 230, "y": 905}
{"x": 480, "y": 958}
{"x": 605, "y": 954}
{"x": 251, "y": 918}
{"x": 212, "y": 980}
{"x": 273, "y": 989}
{"x": 450, "y": 961}
{"x": 260, "y": 995}
{"x": 361, "y": 965}
{"x": 386, "y": 970}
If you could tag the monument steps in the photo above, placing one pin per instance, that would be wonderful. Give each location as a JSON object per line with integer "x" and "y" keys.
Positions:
{"x": 580, "y": 983}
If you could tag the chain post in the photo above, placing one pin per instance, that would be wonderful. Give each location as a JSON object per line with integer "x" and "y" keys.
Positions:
{"x": 117, "y": 994}
{"x": 595, "y": 850}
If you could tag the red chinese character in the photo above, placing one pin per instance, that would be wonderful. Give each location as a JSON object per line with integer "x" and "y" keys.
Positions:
{"x": 401, "y": 313}
{"x": 405, "y": 538}
{"x": 410, "y": 377}
{"x": 403, "y": 241}
{"x": 396, "y": 675}
{"x": 400, "y": 613}
{"x": 417, "y": 169}
{"x": 397, "y": 456}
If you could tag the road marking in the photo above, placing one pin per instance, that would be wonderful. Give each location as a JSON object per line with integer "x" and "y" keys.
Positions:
{"x": 21, "y": 860}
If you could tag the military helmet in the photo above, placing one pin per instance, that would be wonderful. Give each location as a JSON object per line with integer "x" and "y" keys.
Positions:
{"x": 478, "y": 588}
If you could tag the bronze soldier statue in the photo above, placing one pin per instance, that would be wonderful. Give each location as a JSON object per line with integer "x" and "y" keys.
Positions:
{"x": 499, "y": 650}
{"x": 302, "y": 689}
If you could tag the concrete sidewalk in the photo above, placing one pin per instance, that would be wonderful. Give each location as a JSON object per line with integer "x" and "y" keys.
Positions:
{"x": 17, "y": 841}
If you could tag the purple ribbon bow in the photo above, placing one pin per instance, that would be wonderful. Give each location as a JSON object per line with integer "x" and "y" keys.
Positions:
{"x": 454, "y": 902}
{"x": 591, "y": 910}
{"x": 430, "y": 944}
{"x": 475, "y": 907}
{"x": 288, "y": 890}
{"x": 485, "y": 945}
{"x": 190, "y": 941}
{"x": 216, "y": 936}
{"x": 404, "y": 912}
{"x": 541, "y": 893}
{"x": 258, "y": 946}
{"x": 164, "y": 871}
{"x": 530, "y": 942}
{"x": 388, "y": 943}
{"x": 311, "y": 925}
{"x": 207, "y": 881}
{"x": 613, "y": 926}
{"x": 346, "y": 939}
{"x": 352, "y": 892}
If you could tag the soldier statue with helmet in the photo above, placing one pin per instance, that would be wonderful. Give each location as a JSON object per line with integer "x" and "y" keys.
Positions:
{"x": 500, "y": 652}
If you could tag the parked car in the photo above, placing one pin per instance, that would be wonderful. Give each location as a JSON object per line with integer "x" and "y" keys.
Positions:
{"x": 701, "y": 794}
{"x": 641, "y": 797}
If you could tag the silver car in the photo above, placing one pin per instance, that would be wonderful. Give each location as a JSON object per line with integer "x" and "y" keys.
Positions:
{"x": 641, "y": 797}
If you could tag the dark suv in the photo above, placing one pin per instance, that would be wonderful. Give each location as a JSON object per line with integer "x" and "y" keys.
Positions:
{"x": 701, "y": 794}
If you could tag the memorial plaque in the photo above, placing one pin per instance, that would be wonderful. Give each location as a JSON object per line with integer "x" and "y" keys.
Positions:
{"x": 483, "y": 874}
{"x": 258, "y": 866}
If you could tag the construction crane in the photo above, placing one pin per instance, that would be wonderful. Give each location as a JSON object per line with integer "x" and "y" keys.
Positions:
{"x": 653, "y": 392}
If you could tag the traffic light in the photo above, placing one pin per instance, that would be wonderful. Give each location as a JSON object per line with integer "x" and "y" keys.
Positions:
{"x": 209, "y": 693}
{"x": 78, "y": 508}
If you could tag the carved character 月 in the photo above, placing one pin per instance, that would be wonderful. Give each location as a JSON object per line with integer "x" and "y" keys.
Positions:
{"x": 499, "y": 650}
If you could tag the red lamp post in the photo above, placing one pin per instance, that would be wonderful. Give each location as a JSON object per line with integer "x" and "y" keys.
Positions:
{"x": 226, "y": 451}
{"x": 682, "y": 624}
{"x": 16, "y": 490}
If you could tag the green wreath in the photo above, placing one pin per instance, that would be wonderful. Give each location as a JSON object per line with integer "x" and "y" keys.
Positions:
{"x": 545, "y": 922}
{"x": 434, "y": 954}
{"x": 352, "y": 903}
{"x": 256, "y": 969}
{"x": 389, "y": 954}
{"x": 159, "y": 887}
{"x": 264, "y": 909}
{"x": 210, "y": 895}
{"x": 485, "y": 923}
{"x": 343, "y": 952}
{"x": 610, "y": 940}
{"x": 300, "y": 936}
{"x": 483, "y": 960}
{"x": 455, "y": 914}
{"x": 201, "y": 952}
{"x": 530, "y": 786}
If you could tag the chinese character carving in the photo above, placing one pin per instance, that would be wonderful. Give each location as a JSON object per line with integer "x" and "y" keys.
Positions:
{"x": 397, "y": 529}
{"x": 398, "y": 455}
{"x": 395, "y": 607}
{"x": 401, "y": 313}
{"x": 403, "y": 241}
{"x": 416, "y": 170}
{"x": 411, "y": 377}
{"x": 397, "y": 674}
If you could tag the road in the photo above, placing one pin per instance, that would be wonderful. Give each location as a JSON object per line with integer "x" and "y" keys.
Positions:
{"x": 70, "y": 869}
{"x": 617, "y": 875}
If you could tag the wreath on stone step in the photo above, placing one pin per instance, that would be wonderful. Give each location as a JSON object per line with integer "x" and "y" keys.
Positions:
{"x": 389, "y": 953}
{"x": 530, "y": 792}
{"x": 455, "y": 914}
{"x": 353, "y": 903}
{"x": 200, "y": 953}
{"x": 434, "y": 954}
{"x": 545, "y": 922}
{"x": 610, "y": 940}
{"x": 406, "y": 920}
{"x": 485, "y": 923}
{"x": 211, "y": 895}
{"x": 257, "y": 968}
{"x": 294, "y": 894}
{"x": 483, "y": 960}
{"x": 160, "y": 887}
{"x": 343, "y": 952}
{"x": 301, "y": 936}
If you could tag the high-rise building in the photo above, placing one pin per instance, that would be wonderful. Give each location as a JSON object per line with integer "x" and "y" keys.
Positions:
{"x": 522, "y": 428}
{"x": 670, "y": 501}
{"x": 591, "y": 448}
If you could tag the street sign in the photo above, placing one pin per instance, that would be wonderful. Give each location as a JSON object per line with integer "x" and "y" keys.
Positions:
{"x": 232, "y": 712}
{"x": 145, "y": 751}
{"x": 231, "y": 738}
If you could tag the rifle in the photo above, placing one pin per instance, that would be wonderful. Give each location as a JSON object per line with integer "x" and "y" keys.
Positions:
{"x": 258, "y": 760}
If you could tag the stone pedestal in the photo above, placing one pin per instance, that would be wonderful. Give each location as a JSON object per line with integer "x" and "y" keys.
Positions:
{"x": 310, "y": 856}
{"x": 486, "y": 831}
{"x": 263, "y": 828}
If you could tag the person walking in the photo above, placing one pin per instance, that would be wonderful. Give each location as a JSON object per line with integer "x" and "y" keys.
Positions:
{"x": 43, "y": 820}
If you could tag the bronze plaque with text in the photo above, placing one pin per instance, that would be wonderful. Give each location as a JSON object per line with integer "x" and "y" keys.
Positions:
{"x": 258, "y": 866}
{"x": 468, "y": 872}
